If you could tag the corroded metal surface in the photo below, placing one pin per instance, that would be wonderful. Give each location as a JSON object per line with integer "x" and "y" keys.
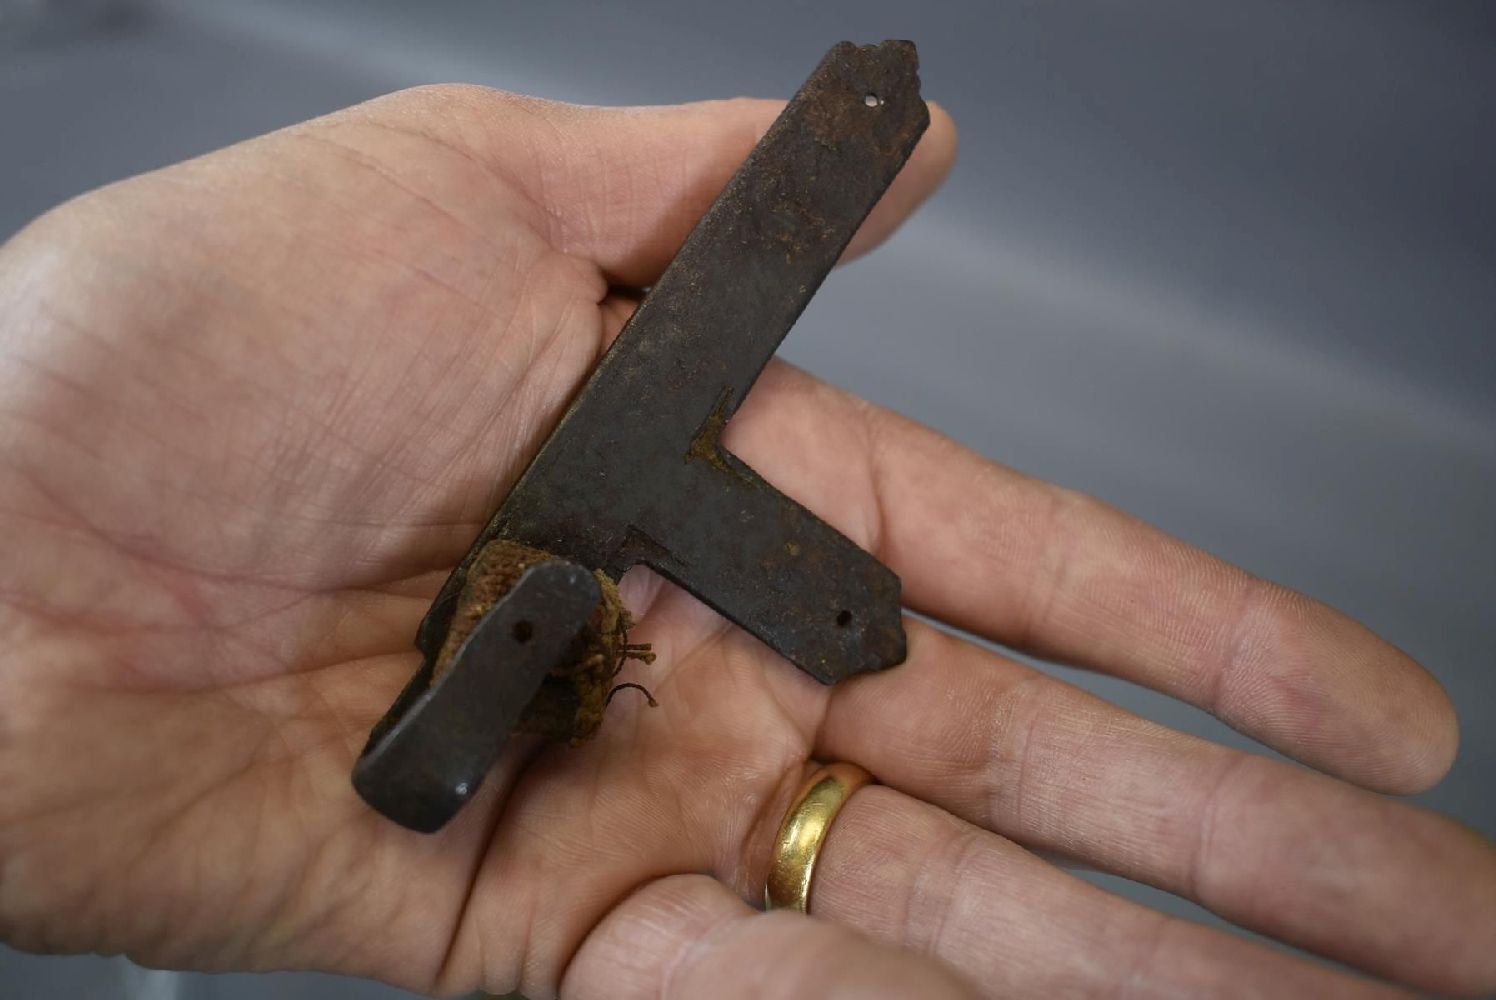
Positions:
{"x": 424, "y": 761}
{"x": 634, "y": 472}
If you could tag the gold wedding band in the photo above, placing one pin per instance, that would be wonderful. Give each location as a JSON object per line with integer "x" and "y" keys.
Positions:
{"x": 804, "y": 831}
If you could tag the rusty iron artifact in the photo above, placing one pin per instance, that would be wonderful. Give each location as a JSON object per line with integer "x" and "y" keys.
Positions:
{"x": 634, "y": 472}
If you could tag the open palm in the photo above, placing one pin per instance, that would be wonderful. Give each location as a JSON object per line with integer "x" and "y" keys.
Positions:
{"x": 253, "y": 408}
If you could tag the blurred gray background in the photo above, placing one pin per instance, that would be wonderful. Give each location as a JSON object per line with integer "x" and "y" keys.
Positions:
{"x": 1231, "y": 266}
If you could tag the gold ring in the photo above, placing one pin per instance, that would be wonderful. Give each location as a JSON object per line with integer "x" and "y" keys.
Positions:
{"x": 804, "y": 831}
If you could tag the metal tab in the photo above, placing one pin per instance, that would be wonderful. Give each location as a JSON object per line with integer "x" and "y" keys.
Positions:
{"x": 635, "y": 471}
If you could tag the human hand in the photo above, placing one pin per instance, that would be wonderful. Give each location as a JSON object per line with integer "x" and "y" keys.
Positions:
{"x": 256, "y": 405}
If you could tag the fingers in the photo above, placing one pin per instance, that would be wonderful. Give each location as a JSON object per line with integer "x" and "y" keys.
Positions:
{"x": 1047, "y": 570}
{"x": 623, "y": 186}
{"x": 688, "y": 936}
{"x": 909, "y": 874}
{"x": 1379, "y": 884}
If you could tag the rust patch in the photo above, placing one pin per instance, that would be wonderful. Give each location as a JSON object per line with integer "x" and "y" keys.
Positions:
{"x": 569, "y": 706}
{"x": 706, "y": 446}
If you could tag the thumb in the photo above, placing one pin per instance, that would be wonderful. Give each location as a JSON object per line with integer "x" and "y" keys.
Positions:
{"x": 622, "y": 187}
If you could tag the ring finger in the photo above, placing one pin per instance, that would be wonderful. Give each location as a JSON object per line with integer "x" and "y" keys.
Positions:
{"x": 1313, "y": 861}
{"x": 909, "y": 874}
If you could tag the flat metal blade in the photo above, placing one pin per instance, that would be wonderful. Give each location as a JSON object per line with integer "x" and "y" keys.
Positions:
{"x": 634, "y": 471}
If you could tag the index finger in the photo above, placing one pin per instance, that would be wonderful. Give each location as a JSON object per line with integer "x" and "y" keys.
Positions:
{"x": 623, "y": 187}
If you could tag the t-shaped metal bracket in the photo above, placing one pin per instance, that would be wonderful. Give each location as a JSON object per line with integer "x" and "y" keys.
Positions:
{"x": 634, "y": 472}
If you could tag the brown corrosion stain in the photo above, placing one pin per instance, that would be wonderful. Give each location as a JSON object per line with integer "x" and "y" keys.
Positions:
{"x": 706, "y": 445}
{"x": 569, "y": 705}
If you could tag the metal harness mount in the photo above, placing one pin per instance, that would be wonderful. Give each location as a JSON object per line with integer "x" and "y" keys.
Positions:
{"x": 634, "y": 472}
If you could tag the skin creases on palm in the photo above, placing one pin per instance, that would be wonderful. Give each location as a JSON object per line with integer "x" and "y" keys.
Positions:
{"x": 268, "y": 396}
{"x": 257, "y": 404}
